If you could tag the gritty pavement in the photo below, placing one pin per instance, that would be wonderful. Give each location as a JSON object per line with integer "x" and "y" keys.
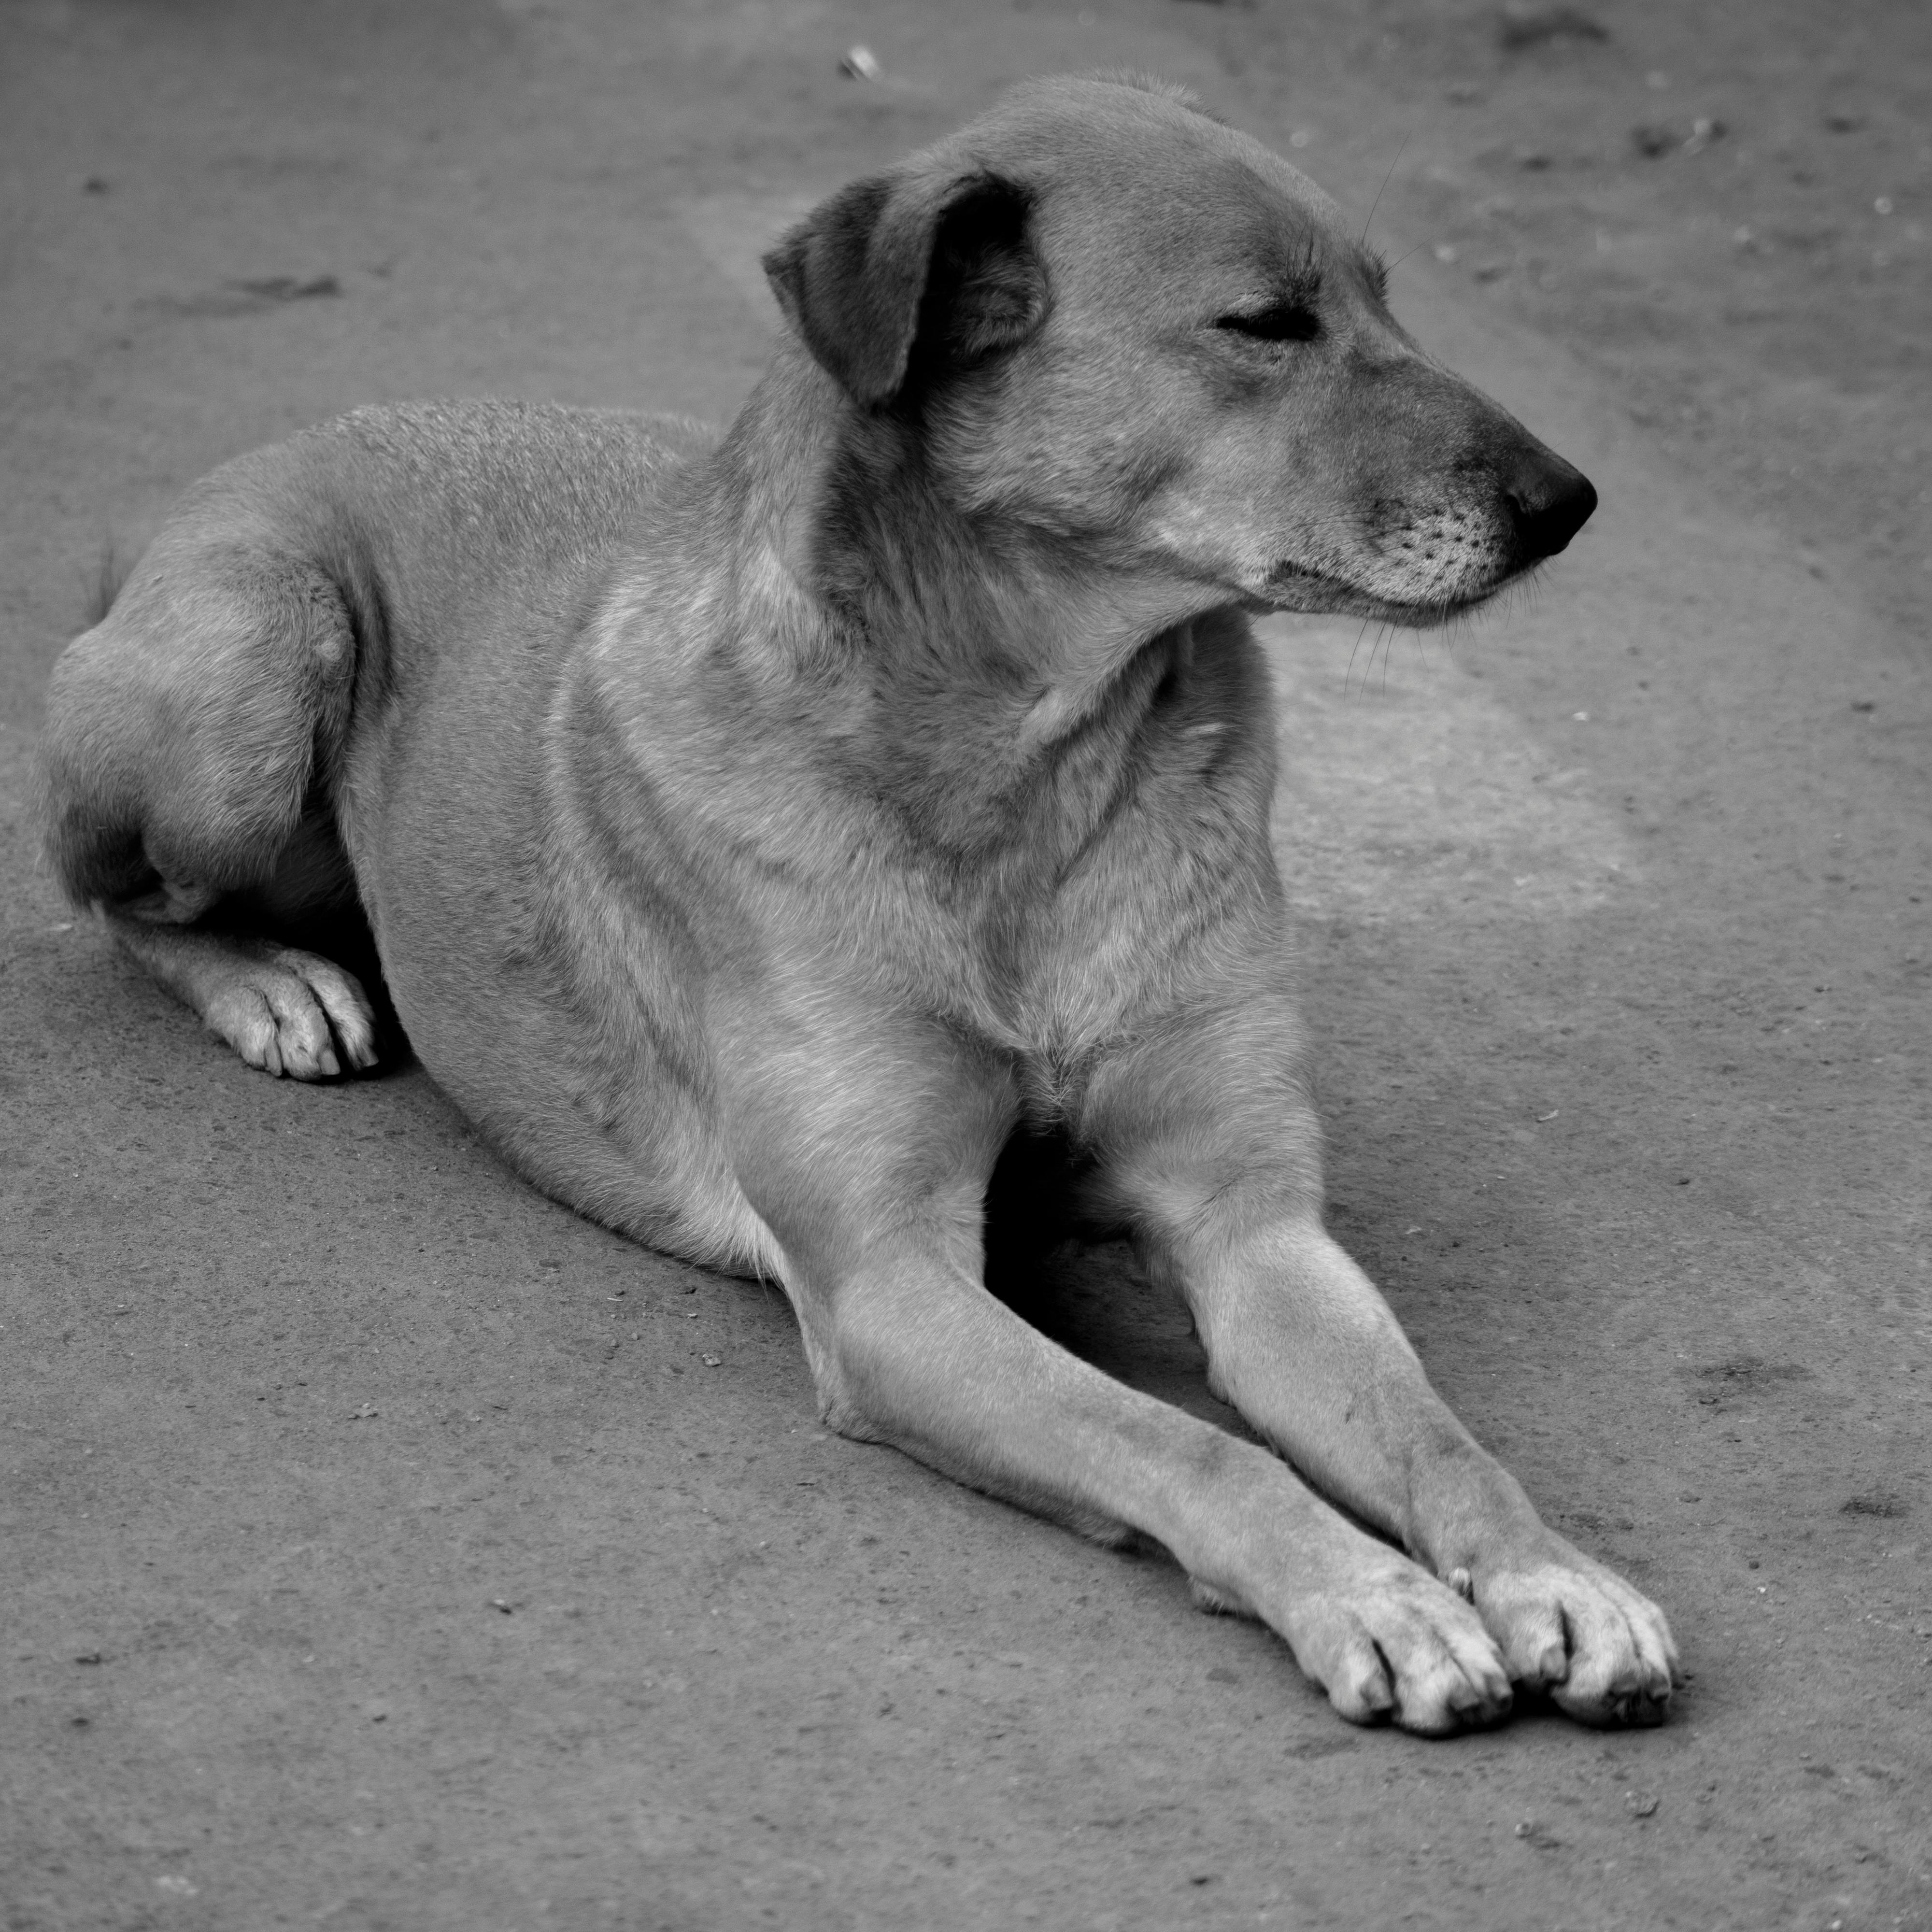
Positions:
{"x": 386, "y": 1548}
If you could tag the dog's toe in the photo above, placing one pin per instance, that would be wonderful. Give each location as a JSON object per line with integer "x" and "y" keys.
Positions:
{"x": 1620, "y": 1672}
{"x": 350, "y": 1016}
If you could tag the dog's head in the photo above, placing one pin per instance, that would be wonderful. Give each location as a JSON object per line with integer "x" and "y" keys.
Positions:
{"x": 1106, "y": 317}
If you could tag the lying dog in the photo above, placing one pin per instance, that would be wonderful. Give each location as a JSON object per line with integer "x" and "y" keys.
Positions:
{"x": 758, "y": 834}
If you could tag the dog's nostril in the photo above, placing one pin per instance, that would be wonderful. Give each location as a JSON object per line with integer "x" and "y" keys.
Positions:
{"x": 1550, "y": 508}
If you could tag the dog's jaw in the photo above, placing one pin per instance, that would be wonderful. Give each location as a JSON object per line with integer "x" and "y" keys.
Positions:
{"x": 1297, "y": 587}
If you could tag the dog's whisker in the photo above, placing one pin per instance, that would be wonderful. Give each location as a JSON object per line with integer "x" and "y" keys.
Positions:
{"x": 1352, "y": 649}
{"x": 1386, "y": 179}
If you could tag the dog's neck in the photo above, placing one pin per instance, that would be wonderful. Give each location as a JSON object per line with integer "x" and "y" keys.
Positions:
{"x": 972, "y": 669}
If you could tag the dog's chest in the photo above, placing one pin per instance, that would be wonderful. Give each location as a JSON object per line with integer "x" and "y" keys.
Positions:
{"x": 1054, "y": 954}
{"x": 825, "y": 891}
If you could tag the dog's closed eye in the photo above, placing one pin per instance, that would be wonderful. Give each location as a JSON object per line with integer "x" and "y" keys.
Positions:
{"x": 1279, "y": 322}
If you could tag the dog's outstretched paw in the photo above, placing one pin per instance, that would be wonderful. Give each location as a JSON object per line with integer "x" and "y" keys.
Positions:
{"x": 1571, "y": 1628}
{"x": 1401, "y": 1646}
{"x": 293, "y": 1013}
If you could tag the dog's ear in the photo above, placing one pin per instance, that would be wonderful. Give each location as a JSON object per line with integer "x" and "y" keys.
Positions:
{"x": 909, "y": 271}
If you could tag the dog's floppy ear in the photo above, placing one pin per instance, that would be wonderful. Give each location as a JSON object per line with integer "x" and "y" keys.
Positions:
{"x": 911, "y": 269}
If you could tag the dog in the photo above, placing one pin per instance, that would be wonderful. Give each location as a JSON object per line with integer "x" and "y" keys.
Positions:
{"x": 760, "y": 834}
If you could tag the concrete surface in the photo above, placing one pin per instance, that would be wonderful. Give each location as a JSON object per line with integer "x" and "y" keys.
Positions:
{"x": 383, "y": 1548}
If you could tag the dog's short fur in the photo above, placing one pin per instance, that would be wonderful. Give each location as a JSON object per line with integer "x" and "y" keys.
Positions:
{"x": 758, "y": 834}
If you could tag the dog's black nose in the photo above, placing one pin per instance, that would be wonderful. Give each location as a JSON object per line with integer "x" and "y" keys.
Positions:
{"x": 1550, "y": 503}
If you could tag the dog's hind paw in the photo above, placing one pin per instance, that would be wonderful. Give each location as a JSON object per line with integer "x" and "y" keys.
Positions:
{"x": 293, "y": 1013}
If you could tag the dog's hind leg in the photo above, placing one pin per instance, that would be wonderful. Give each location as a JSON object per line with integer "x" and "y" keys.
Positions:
{"x": 192, "y": 741}
{"x": 282, "y": 1009}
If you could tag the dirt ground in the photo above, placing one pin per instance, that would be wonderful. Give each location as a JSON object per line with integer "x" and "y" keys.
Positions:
{"x": 383, "y": 1549}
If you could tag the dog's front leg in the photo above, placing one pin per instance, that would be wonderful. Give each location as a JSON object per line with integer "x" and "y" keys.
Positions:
{"x": 917, "y": 1351}
{"x": 1299, "y": 1341}
{"x": 872, "y": 1185}
{"x": 1219, "y": 1176}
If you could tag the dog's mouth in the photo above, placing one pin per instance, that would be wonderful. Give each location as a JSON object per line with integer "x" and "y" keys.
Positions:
{"x": 1290, "y": 586}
